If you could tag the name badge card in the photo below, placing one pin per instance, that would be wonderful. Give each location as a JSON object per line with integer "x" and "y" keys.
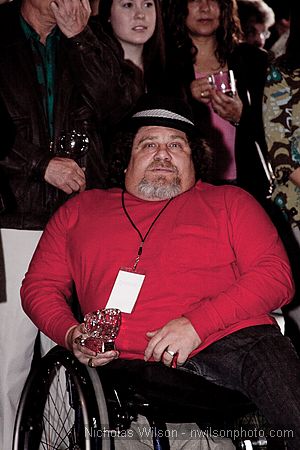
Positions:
{"x": 125, "y": 291}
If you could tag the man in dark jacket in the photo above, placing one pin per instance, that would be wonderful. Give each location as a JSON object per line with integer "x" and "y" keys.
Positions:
{"x": 50, "y": 149}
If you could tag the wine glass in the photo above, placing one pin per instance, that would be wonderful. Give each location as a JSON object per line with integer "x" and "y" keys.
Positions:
{"x": 72, "y": 144}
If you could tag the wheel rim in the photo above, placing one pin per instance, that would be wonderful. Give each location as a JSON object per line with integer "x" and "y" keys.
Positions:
{"x": 57, "y": 418}
{"x": 64, "y": 416}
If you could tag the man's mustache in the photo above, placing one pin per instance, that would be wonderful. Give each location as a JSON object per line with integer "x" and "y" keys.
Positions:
{"x": 162, "y": 165}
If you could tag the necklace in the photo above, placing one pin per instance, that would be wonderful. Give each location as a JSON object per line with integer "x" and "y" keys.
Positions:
{"x": 143, "y": 238}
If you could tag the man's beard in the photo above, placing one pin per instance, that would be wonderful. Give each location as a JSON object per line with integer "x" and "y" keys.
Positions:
{"x": 159, "y": 188}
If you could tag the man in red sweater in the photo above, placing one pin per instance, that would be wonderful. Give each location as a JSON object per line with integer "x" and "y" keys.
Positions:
{"x": 204, "y": 264}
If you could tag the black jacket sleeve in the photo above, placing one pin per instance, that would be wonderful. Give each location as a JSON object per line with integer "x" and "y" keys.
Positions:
{"x": 110, "y": 84}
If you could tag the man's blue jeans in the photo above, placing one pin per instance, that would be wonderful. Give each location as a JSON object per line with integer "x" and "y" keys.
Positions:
{"x": 262, "y": 363}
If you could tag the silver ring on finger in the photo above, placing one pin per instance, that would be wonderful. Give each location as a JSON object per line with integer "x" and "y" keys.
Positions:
{"x": 170, "y": 352}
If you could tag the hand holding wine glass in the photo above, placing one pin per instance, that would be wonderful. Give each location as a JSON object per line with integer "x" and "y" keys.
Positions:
{"x": 63, "y": 170}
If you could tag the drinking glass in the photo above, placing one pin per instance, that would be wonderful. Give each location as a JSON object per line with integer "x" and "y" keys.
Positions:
{"x": 101, "y": 328}
{"x": 223, "y": 81}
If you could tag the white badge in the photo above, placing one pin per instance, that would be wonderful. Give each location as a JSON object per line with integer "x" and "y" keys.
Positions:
{"x": 125, "y": 291}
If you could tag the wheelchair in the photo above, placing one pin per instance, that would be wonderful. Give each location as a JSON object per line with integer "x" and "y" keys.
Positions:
{"x": 66, "y": 405}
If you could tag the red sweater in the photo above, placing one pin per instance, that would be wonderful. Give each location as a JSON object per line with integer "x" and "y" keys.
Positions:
{"x": 212, "y": 256}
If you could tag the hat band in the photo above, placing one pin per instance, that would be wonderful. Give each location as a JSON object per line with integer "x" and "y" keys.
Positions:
{"x": 162, "y": 114}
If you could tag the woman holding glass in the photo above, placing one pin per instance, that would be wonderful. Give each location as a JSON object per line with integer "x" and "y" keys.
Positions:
{"x": 204, "y": 43}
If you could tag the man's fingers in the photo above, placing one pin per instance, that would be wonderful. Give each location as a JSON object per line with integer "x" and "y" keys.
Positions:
{"x": 151, "y": 346}
{"x": 80, "y": 174}
{"x": 74, "y": 185}
{"x": 101, "y": 359}
{"x": 177, "y": 336}
{"x": 86, "y": 5}
{"x": 71, "y": 16}
{"x": 65, "y": 174}
{"x": 54, "y": 7}
{"x": 150, "y": 334}
{"x": 167, "y": 358}
{"x": 158, "y": 345}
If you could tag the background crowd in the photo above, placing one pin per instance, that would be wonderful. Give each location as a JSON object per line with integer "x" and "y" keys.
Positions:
{"x": 67, "y": 88}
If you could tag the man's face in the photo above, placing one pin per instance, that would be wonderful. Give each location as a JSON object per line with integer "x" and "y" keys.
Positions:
{"x": 43, "y": 6}
{"x": 161, "y": 165}
{"x": 257, "y": 34}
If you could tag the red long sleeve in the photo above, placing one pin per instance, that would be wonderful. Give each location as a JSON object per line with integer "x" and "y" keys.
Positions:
{"x": 213, "y": 256}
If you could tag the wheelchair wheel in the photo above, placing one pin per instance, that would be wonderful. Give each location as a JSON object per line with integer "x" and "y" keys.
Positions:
{"x": 62, "y": 407}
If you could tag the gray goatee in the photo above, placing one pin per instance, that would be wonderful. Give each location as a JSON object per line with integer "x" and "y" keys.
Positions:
{"x": 158, "y": 189}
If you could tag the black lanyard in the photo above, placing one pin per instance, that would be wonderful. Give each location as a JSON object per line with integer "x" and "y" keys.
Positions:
{"x": 143, "y": 238}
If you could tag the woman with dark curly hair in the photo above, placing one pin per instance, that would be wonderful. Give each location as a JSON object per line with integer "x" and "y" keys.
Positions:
{"x": 204, "y": 38}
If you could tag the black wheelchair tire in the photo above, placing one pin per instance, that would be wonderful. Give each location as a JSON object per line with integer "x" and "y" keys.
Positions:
{"x": 78, "y": 408}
